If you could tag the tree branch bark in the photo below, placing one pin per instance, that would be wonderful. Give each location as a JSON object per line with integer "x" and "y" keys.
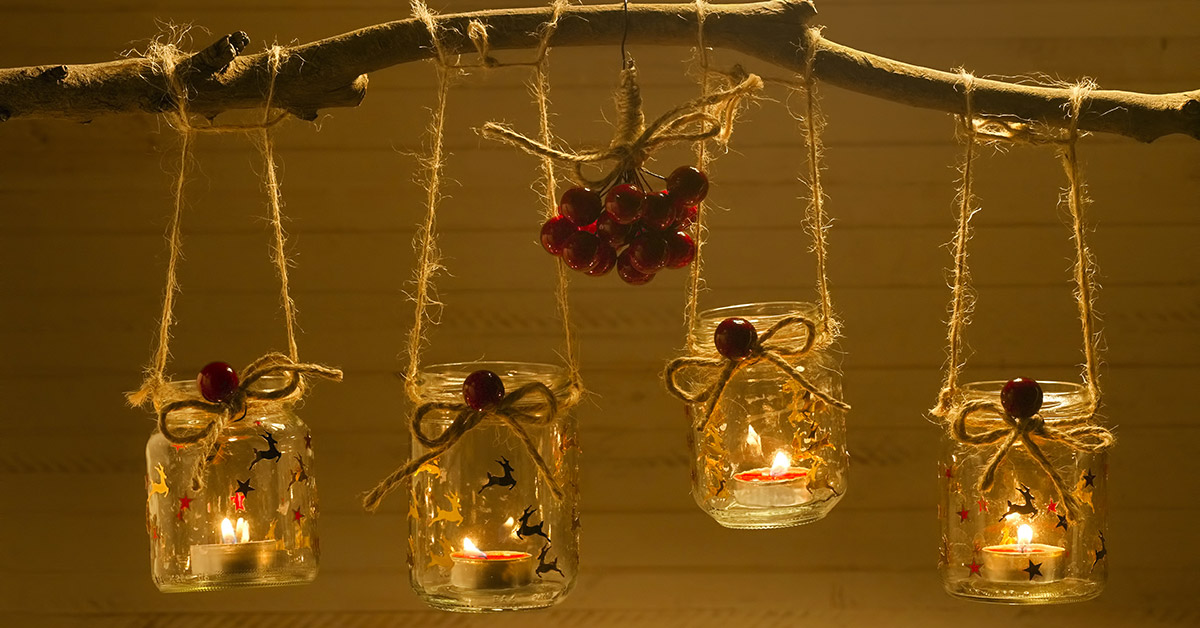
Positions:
{"x": 333, "y": 72}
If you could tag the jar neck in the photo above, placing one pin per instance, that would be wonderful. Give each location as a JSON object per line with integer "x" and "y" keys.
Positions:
{"x": 444, "y": 382}
{"x": 1059, "y": 399}
{"x": 763, "y": 316}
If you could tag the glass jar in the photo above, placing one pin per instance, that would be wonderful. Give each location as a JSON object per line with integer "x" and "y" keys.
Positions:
{"x": 485, "y": 531}
{"x": 253, "y": 522}
{"x": 1014, "y": 544}
{"x": 772, "y": 455}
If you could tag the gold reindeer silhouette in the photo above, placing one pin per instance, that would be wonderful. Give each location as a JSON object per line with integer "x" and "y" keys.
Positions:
{"x": 161, "y": 485}
{"x": 454, "y": 515}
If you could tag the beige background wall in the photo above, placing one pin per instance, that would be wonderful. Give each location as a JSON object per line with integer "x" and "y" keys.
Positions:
{"x": 83, "y": 208}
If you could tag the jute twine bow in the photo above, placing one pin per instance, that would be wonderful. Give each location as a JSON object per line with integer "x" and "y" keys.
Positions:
{"x": 709, "y": 116}
{"x": 721, "y": 370}
{"x": 532, "y": 404}
{"x": 1076, "y": 432}
{"x": 225, "y": 413}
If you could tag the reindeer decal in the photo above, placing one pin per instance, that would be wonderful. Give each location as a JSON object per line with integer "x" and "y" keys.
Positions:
{"x": 270, "y": 453}
{"x": 159, "y": 487}
{"x": 547, "y": 567}
{"x": 1100, "y": 553}
{"x": 501, "y": 480}
{"x": 454, "y": 515}
{"x": 525, "y": 529}
{"x": 1021, "y": 509}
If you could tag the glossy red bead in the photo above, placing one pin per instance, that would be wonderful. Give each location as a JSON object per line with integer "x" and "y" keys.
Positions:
{"x": 628, "y": 273}
{"x": 483, "y": 389}
{"x": 217, "y": 381}
{"x": 1021, "y": 397}
{"x": 735, "y": 338}
{"x": 613, "y": 232}
{"x": 624, "y": 203}
{"x": 648, "y": 252}
{"x": 681, "y": 250}
{"x": 606, "y": 259}
{"x": 580, "y": 250}
{"x": 581, "y": 206}
{"x": 658, "y": 211}
{"x": 687, "y": 185}
{"x": 555, "y": 233}
{"x": 685, "y": 215}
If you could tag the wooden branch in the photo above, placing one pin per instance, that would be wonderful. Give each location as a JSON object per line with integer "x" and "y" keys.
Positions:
{"x": 332, "y": 72}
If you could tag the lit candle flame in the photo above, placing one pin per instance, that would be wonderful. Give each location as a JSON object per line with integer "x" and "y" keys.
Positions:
{"x": 781, "y": 465}
{"x": 235, "y": 533}
{"x": 1024, "y": 536}
{"x": 470, "y": 550}
{"x": 227, "y": 535}
{"x": 243, "y": 530}
{"x": 753, "y": 440}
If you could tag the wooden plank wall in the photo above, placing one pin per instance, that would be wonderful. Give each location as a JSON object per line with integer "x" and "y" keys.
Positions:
{"x": 83, "y": 208}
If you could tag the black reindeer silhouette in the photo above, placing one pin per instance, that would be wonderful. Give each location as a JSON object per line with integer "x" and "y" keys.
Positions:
{"x": 1100, "y": 553}
{"x": 501, "y": 480}
{"x": 270, "y": 453}
{"x": 525, "y": 529}
{"x": 1021, "y": 509}
{"x": 547, "y": 567}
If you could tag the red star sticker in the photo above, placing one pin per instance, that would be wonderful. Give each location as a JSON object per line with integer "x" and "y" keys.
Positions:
{"x": 239, "y": 501}
{"x": 297, "y": 515}
{"x": 185, "y": 502}
{"x": 982, "y": 505}
{"x": 974, "y": 568}
{"x": 949, "y": 472}
{"x": 1052, "y": 506}
{"x": 963, "y": 514}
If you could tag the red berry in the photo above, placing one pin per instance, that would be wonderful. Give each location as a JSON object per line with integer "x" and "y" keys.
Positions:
{"x": 687, "y": 185}
{"x": 629, "y": 274}
{"x": 658, "y": 210}
{"x": 735, "y": 338}
{"x": 613, "y": 232}
{"x": 217, "y": 381}
{"x": 685, "y": 215}
{"x": 681, "y": 250}
{"x": 648, "y": 252}
{"x": 580, "y": 250}
{"x": 581, "y": 206}
{"x": 624, "y": 203}
{"x": 555, "y": 233}
{"x": 606, "y": 258}
{"x": 1021, "y": 397}
{"x": 483, "y": 389}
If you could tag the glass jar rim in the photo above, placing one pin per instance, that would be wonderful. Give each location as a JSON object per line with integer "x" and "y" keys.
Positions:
{"x": 764, "y": 308}
{"x": 446, "y": 379}
{"x": 1058, "y": 397}
{"x": 190, "y": 388}
{"x": 762, "y": 315}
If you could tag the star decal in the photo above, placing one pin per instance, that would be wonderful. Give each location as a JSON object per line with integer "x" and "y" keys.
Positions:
{"x": 1089, "y": 479}
{"x": 239, "y": 501}
{"x": 297, "y": 515}
{"x": 949, "y": 472}
{"x": 185, "y": 502}
{"x": 974, "y": 567}
{"x": 1034, "y": 569}
{"x": 1062, "y": 522}
{"x": 963, "y": 513}
{"x": 983, "y": 505}
{"x": 1052, "y": 506}
{"x": 244, "y": 487}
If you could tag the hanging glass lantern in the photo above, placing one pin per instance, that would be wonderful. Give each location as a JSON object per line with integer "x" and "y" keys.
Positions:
{"x": 242, "y": 513}
{"x": 769, "y": 437}
{"x": 490, "y": 527}
{"x": 1016, "y": 530}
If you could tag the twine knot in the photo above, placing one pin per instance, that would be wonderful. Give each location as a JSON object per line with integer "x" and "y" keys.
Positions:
{"x": 718, "y": 371}
{"x": 1076, "y": 432}
{"x": 532, "y": 404}
{"x": 706, "y": 117}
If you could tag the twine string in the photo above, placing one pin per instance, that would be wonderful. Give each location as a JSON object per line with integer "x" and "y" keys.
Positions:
{"x": 695, "y": 281}
{"x": 813, "y": 123}
{"x": 715, "y": 373}
{"x": 1079, "y": 431}
{"x": 1076, "y": 432}
{"x": 533, "y": 404}
{"x": 632, "y": 144}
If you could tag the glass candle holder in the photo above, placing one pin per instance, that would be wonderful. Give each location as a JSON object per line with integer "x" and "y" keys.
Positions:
{"x": 1015, "y": 544}
{"x": 486, "y": 532}
{"x": 252, "y": 522}
{"x": 772, "y": 455}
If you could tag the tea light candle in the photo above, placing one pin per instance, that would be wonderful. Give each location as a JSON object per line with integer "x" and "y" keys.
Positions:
{"x": 236, "y": 553}
{"x": 780, "y": 485}
{"x": 1023, "y": 561}
{"x": 476, "y": 569}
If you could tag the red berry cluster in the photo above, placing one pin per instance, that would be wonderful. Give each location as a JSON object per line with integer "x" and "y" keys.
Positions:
{"x": 637, "y": 233}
